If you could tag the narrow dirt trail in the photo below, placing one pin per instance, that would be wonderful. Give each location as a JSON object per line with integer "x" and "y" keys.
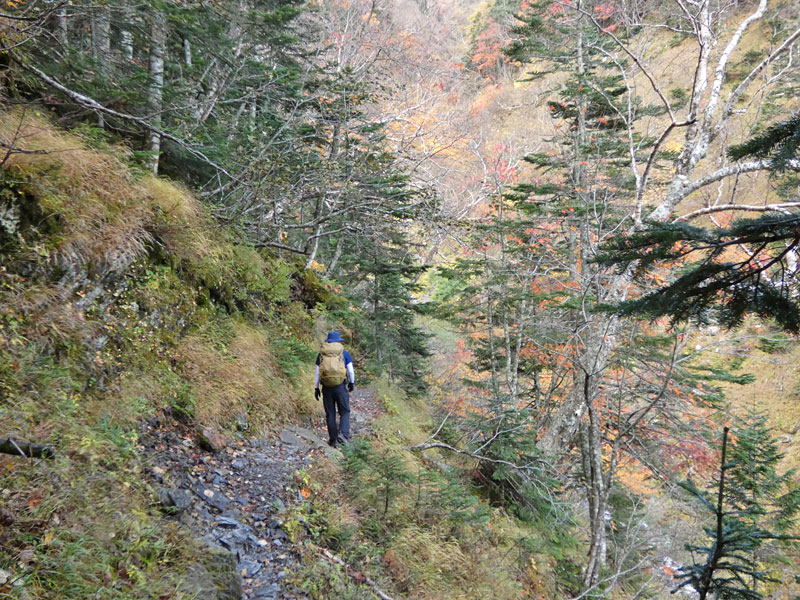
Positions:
{"x": 234, "y": 499}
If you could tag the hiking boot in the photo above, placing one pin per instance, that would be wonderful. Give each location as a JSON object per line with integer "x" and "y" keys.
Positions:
{"x": 343, "y": 440}
{"x": 332, "y": 443}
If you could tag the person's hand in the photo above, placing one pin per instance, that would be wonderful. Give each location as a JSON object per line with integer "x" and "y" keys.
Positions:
{"x": 316, "y": 393}
{"x": 351, "y": 386}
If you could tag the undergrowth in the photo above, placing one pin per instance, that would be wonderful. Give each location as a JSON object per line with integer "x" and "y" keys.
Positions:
{"x": 417, "y": 527}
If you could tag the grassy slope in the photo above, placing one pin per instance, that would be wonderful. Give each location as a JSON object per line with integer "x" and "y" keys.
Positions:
{"x": 120, "y": 299}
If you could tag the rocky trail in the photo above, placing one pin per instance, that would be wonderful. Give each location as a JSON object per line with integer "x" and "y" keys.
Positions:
{"x": 233, "y": 493}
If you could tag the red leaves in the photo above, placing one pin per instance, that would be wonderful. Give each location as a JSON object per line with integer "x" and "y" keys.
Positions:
{"x": 488, "y": 56}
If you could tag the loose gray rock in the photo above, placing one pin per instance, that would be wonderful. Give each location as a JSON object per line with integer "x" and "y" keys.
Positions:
{"x": 176, "y": 500}
{"x": 269, "y": 592}
{"x": 248, "y": 568}
{"x": 289, "y": 438}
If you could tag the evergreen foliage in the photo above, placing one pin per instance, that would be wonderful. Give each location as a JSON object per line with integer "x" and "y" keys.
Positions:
{"x": 754, "y": 508}
{"x": 528, "y": 291}
{"x": 780, "y": 143}
{"x": 726, "y": 272}
{"x": 716, "y": 287}
{"x": 251, "y": 104}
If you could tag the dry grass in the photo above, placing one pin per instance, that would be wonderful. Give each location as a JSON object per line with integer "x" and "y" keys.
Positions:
{"x": 93, "y": 195}
{"x": 83, "y": 375}
{"x": 241, "y": 377}
{"x": 104, "y": 210}
{"x": 184, "y": 226}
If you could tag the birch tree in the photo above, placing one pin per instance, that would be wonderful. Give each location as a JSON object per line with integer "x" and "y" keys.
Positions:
{"x": 155, "y": 92}
{"x": 700, "y": 128}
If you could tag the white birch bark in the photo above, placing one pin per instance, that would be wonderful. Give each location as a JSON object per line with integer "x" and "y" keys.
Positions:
{"x": 707, "y": 117}
{"x": 126, "y": 35}
{"x": 158, "y": 40}
{"x": 187, "y": 52}
{"x": 101, "y": 40}
{"x": 62, "y": 26}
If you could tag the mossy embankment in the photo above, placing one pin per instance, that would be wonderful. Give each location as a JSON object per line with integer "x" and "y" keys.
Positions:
{"x": 121, "y": 298}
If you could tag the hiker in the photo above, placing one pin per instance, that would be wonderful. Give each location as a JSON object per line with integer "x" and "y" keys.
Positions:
{"x": 335, "y": 373}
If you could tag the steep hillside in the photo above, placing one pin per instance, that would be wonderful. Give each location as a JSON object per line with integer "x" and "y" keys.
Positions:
{"x": 121, "y": 301}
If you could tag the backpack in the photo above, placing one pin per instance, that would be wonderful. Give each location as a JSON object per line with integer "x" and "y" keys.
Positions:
{"x": 332, "y": 371}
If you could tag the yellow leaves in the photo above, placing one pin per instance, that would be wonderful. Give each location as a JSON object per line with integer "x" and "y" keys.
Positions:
{"x": 315, "y": 266}
{"x": 371, "y": 18}
{"x": 637, "y": 479}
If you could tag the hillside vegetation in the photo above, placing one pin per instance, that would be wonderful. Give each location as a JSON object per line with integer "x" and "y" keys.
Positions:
{"x": 121, "y": 300}
{"x": 560, "y": 239}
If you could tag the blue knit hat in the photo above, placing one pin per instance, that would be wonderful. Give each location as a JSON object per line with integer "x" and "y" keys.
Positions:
{"x": 334, "y": 336}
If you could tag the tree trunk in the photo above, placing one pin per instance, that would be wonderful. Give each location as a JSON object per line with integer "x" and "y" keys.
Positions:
{"x": 62, "y": 26}
{"x": 337, "y": 253}
{"x": 101, "y": 40}
{"x": 126, "y": 35}
{"x": 158, "y": 40}
{"x": 101, "y": 47}
{"x": 312, "y": 255}
{"x": 217, "y": 73}
{"x": 596, "y": 484}
{"x": 187, "y": 52}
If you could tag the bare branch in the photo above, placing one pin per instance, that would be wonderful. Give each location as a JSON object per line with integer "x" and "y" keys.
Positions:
{"x": 781, "y": 208}
{"x": 604, "y": 31}
{"x": 730, "y": 170}
{"x": 648, "y": 167}
{"x": 26, "y": 449}
{"x": 760, "y": 67}
{"x": 279, "y": 246}
{"x": 721, "y": 69}
{"x": 336, "y": 560}
{"x": 443, "y": 446}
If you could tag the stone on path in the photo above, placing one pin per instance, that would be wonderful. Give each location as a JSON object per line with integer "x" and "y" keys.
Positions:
{"x": 290, "y": 438}
{"x": 309, "y": 437}
{"x": 211, "y": 440}
{"x": 175, "y": 499}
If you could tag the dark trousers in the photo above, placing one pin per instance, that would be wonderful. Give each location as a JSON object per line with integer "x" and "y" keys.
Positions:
{"x": 333, "y": 398}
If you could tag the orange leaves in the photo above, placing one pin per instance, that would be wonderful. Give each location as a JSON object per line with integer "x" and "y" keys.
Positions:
{"x": 637, "y": 479}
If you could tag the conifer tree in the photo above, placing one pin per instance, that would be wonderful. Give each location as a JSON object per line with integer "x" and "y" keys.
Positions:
{"x": 753, "y": 509}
